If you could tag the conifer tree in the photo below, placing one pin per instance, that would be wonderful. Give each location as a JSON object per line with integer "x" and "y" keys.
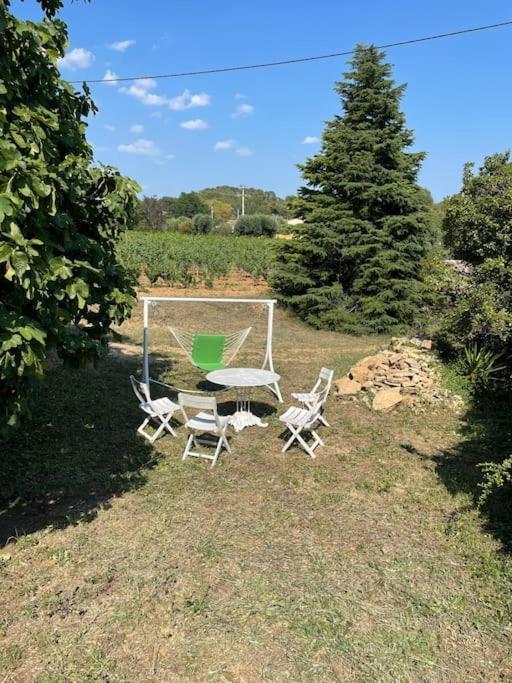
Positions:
{"x": 356, "y": 262}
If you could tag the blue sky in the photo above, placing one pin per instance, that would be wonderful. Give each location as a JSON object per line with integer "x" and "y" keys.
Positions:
{"x": 249, "y": 127}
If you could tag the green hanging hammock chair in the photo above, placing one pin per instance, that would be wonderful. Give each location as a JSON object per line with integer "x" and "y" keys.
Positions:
{"x": 210, "y": 351}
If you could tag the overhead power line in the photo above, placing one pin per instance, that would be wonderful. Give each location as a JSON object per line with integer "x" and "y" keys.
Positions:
{"x": 298, "y": 60}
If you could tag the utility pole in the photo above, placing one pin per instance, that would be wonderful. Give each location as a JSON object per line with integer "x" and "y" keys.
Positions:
{"x": 242, "y": 187}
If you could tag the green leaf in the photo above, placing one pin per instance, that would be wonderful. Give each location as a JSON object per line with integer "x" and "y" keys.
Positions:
{"x": 20, "y": 263}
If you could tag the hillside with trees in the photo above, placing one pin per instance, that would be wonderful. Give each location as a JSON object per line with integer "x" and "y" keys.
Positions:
{"x": 256, "y": 200}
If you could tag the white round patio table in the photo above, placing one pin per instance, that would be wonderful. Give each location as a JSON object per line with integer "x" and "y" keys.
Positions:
{"x": 243, "y": 380}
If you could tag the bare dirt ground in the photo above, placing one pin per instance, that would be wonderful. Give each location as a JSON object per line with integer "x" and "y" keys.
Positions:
{"x": 124, "y": 563}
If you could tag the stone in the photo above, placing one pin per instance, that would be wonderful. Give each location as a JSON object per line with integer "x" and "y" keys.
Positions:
{"x": 347, "y": 387}
{"x": 387, "y": 399}
{"x": 367, "y": 385}
{"x": 408, "y": 400}
{"x": 359, "y": 373}
{"x": 427, "y": 344}
{"x": 367, "y": 361}
{"x": 395, "y": 358}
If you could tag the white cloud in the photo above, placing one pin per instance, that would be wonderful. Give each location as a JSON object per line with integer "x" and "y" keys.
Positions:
{"x": 310, "y": 140}
{"x": 244, "y": 151}
{"x": 140, "y": 90}
{"x": 110, "y": 77}
{"x": 170, "y": 156}
{"x": 137, "y": 128}
{"x": 242, "y": 110}
{"x": 240, "y": 96}
{"x": 79, "y": 58}
{"x": 121, "y": 45}
{"x": 143, "y": 147}
{"x": 194, "y": 124}
{"x": 233, "y": 145}
{"x": 109, "y": 127}
{"x": 187, "y": 100}
{"x": 224, "y": 144}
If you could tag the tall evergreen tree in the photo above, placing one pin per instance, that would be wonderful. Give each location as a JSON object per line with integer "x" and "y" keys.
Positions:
{"x": 356, "y": 262}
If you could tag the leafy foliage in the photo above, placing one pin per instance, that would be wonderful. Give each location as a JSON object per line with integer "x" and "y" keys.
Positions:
{"x": 478, "y": 228}
{"x": 202, "y": 223}
{"x": 188, "y": 204}
{"x": 257, "y": 225}
{"x": 357, "y": 261}
{"x": 221, "y": 210}
{"x": 478, "y": 220}
{"x": 497, "y": 475}
{"x": 191, "y": 260}
{"x": 60, "y": 218}
{"x": 481, "y": 366}
{"x": 150, "y": 215}
{"x": 256, "y": 200}
{"x": 477, "y": 327}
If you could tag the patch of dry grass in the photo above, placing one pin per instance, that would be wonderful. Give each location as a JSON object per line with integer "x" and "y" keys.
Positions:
{"x": 136, "y": 566}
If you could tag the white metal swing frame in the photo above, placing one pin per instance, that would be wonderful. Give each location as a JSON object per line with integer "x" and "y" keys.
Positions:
{"x": 268, "y": 363}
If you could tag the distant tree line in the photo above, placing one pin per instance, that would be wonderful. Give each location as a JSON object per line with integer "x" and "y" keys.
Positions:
{"x": 200, "y": 212}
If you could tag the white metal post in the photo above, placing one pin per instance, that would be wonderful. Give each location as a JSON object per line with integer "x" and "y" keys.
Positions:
{"x": 145, "y": 360}
{"x": 269, "y": 361}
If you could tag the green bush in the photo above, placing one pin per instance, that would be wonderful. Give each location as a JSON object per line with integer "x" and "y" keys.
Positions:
{"x": 478, "y": 229}
{"x": 256, "y": 225}
{"x": 222, "y": 229}
{"x": 202, "y": 223}
{"x": 172, "y": 224}
{"x": 185, "y": 225}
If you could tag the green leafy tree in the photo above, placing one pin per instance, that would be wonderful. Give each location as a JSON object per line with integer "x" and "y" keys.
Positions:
{"x": 478, "y": 229}
{"x": 151, "y": 214}
{"x": 222, "y": 211}
{"x": 61, "y": 285}
{"x": 356, "y": 263}
{"x": 256, "y": 200}
{"x": 188, "y": 204}
{"x": 256, "y": 225}
{"x": 202, "y": 223}
{"x": 478, "y": 220}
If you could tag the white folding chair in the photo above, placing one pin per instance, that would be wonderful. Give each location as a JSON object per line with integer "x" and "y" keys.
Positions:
{"x": 309, "y": 399}
{"x": 298, "y": 420}
{"x": 159, "y": 410}
{"x": 202, "y": 424}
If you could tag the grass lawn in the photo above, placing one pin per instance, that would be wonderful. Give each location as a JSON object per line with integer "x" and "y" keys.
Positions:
{"x": 123, "y": 563}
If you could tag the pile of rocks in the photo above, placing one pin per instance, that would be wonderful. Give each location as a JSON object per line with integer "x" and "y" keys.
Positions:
{"x": 404, "y": 374}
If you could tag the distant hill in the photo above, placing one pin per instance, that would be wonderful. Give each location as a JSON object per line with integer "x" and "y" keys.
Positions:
{"x": 256, "y": 201}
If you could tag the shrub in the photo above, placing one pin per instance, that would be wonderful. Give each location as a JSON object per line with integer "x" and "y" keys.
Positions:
{"x": 478, "y": 228}
{"x": 256, "y": 225}
{"x": 222, "y": 229}
{"x": 172, "y": 224}
{"x": 185, "y": 225}
{"x": 202, "y": 223}
{"x": 481, "y": 366}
